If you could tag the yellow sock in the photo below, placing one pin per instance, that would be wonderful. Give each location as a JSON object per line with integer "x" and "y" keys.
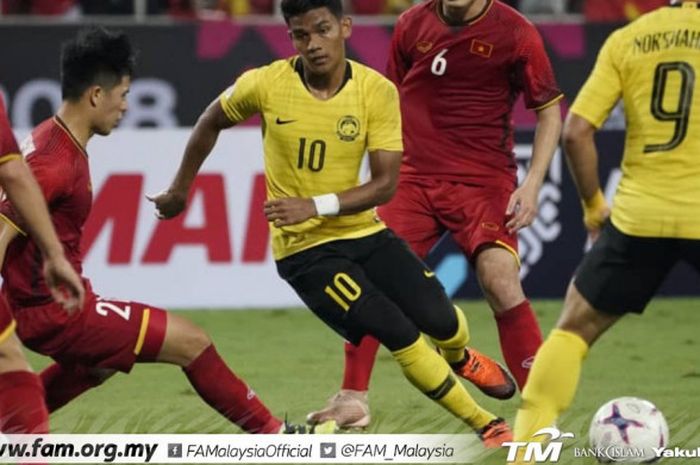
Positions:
{"x": 552, "y": 382}
{"x": 430, "y": 373}
{"x": 452, "y": 349}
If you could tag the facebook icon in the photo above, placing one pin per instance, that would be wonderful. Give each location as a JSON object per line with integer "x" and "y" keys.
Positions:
{"x": 174, "y": 451}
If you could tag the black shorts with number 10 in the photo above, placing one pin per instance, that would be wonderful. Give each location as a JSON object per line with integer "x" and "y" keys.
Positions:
{"x": 337, "y": 279}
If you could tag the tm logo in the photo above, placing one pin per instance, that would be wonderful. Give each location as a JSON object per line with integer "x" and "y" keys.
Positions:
{"x": 539, "y": 451}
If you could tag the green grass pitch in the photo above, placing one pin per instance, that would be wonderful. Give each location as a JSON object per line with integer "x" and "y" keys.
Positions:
{"x": 294, "y": 363}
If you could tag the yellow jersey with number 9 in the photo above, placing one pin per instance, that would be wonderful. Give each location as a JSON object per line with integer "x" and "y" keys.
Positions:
{"x": 653, "y": 65}
{"x": 314, "y": 146}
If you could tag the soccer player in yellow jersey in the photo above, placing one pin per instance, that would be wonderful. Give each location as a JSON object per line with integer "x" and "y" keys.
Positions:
{"x": 650, "y": 64}
{"x": 321, "y": 112}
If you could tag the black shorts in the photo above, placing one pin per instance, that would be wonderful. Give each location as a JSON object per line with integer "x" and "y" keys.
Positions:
{"x": 337, "y": 278}
{"x": 621, "y": 273}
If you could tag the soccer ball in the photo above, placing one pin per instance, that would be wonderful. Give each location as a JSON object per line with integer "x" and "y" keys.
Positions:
{"x": 626, "y": 430}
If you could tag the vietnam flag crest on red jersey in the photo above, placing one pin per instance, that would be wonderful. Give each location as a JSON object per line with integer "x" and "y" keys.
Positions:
{"x": 479, "y": 47}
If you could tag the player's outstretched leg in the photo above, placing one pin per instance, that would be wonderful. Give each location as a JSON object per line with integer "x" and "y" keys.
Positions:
{"x": 431, "y": 374}
{"x": 422, "y": 299}
{"x": 22, "y": 407}
{"x": 557, "y": 367}
{"x": 349, "y": 408}
{"x": 423, "y": 366}
{"x": 188, "y": 346}
{"x": 520, "y": 337}
{"x": 95, "y": 342}
{"x": 518, "y": 331}
{"x": 552, "y": 383}
{"x": 482, "y": 371}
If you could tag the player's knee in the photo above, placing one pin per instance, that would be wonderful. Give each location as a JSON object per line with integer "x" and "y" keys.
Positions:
{"x": 184, "y": 341}
{"x": 502, "y": 290}
{"x": 196, "y": 341}
{"x": 441, "y": 325}
{"x": 11, "y": 356}
{"x": 10, "y": 351}
{"x": 382, "y": 319}
{"x": 495, "y": 283}
{"x": 581, "y": 318}
{"x": 432, "y": 311}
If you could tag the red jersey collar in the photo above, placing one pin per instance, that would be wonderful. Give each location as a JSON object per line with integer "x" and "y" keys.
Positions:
{"x": 468, "y": 22}
{"x": 59, "y": 122}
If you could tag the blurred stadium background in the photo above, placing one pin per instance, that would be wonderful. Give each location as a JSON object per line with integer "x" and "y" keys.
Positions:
{"x": 217, "y": 257}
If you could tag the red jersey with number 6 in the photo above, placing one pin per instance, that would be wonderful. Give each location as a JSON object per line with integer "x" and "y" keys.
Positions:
{"x": 60, "y": 166}
{"x": 458, "y": 85}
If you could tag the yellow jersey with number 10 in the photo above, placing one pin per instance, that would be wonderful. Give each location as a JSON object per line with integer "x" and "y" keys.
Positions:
{"x": 653, "y": 64}
{"x": 315, "y": 147}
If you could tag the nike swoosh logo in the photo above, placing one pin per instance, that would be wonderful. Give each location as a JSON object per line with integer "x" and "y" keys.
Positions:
{"x": 284, "y": 121}
{"x": 428, "y": 274}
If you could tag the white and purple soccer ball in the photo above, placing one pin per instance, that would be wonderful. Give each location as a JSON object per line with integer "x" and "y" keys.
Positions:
{"x": 628, "y": 430}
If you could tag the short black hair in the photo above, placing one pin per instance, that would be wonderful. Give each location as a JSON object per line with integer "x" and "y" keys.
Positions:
{"x": 95, "y": 56}
{"x": 291, "y": 8}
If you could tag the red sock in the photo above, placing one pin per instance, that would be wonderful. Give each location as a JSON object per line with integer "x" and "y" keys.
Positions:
{"x": 22, "y": 408}
{"x": 520, "y": 338}
{"x": 359, "y": 361}
{"x": 64, "y": 384}
{"x": 222, "y": 390}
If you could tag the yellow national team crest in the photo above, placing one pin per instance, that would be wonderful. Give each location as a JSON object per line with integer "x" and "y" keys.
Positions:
{"x": 348, "y": 128}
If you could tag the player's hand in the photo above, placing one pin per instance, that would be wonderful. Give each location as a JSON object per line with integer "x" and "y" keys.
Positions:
{"x": 168, "y": 203}
{"x": 522, "y": 207}
{"x": 288, "y": 211}
{"x": 595, "y": 212}
{"x": 64, "y": 283}
{"x": 594, "y": 221}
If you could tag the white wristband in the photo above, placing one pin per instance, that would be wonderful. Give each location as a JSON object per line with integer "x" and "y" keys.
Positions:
{"x": 327, "y": 204}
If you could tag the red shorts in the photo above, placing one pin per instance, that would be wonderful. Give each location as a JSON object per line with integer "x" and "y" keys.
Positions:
{"x": 110, "y": 334}
{"x": 422, "y": 211}
{"x": 7, "y": 324}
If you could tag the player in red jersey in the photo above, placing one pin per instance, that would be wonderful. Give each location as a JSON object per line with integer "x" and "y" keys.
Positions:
{"x": 108, "y": 335}
{"x": 460, "y": 66}
{"x": 22, "y": 407}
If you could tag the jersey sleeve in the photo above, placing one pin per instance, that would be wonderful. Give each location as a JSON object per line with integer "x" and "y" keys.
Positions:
{"x": 603, "y": 88}
{"x": 243, "y": 99}
{"x": 8, "y": 144}
{"x": 399, "y": 62}
{"x": 384, "y": 118}
{"x": 53, "y": 179}
{"x": 539, "y": 85}
{"x": 10, "y": 217}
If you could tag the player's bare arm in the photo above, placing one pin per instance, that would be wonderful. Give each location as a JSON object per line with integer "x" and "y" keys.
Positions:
{"x": 7, "y": 234}
{"x": 26, "y": 197}
{"x": 172, "y": 201}
{"x": 523, "y": 202}
{"x": 384, "y": 166}
{"x": 582, "y": 158}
